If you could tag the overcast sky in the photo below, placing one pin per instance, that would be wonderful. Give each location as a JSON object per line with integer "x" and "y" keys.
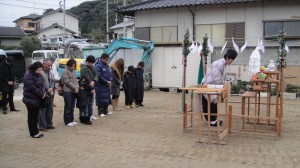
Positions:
{"x": 11, "y": 10}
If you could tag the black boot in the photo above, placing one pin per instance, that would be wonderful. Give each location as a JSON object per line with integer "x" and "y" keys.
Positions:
{"x": 14, "y": 109}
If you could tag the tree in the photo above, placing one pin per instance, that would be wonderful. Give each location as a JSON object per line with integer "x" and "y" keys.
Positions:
{"x": 48, "y": 11}
{"x": 93, "y": 16}
{"x": 30, "y": 44}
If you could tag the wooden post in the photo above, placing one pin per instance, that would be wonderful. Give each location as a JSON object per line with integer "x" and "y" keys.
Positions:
{"x": 230, "y": 119}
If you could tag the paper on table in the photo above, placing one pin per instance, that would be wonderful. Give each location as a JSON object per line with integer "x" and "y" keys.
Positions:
{"x": 215, "y": 86}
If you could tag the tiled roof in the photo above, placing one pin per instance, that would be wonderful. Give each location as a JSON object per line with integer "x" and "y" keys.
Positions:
{"x": 54, "y": 25}
{"x": 31, "y": 16}
{"x": 11, "y": 32}
{"x": 127, "y": 24}
{"x": 157, "y": 4}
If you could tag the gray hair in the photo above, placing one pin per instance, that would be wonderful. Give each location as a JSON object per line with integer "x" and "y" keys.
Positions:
{"x": 46, "y": 60}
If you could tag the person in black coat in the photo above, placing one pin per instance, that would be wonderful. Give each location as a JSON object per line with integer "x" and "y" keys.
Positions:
{"x": 34, "y": 92}
{"x": 7, "y": 84}
{"x": 139, "y": 78}
{"x": 83, "y": 102}
{"x": 129, "y": 86}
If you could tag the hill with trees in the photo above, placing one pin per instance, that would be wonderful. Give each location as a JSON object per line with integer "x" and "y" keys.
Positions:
{"x": 93, "y": 17}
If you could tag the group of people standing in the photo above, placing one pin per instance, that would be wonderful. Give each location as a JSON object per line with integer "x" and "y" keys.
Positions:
{"x": 98, "y": 82}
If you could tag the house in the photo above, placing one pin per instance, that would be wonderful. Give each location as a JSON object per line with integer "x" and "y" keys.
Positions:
{"x": 52, "y": 23}
{"x": 118, "y": 29}
{"x": 11, "y": 36}
{"x": 26, "y": 23}
{"x": 166, "y": 21}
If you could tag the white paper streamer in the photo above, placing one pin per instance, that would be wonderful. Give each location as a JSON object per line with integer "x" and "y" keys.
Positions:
{"x": 223, "y": 48}
{"x": 286, "y": 47}
{"x": 236, "y": 47}
{"x": 244, "y": 46}
{"x": 210, "y": 46}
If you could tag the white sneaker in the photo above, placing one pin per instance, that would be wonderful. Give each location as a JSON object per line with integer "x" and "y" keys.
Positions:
{"x": 109, "y": 113}
{"x": 102, "y": 115}
{"x": 75, "y": 123}
{"x": 93, "y": 117}
{"x": 70, "y": 125}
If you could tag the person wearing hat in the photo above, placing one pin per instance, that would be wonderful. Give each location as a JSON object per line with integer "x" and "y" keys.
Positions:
{"x": 7, "y": 84}
{"x": 216, "y": 75}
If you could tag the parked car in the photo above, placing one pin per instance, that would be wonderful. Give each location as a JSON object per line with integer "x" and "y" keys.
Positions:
{"x": 40, "y": 55}
{"x": 2, "y": 55}
{"x": 19, "y": 67}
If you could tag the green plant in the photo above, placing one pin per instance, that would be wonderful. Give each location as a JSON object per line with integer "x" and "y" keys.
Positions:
{"x": 29, "y": 44}
{"x": 241, "y": 85}
{"x": 281, "y": 52}
{"x": 186, "y": 43}
{"x": 292, "y": 88}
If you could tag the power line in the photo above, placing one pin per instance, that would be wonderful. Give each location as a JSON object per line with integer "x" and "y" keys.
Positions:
{"x": 37, "y": 3}
{"x": 21, "y": 6}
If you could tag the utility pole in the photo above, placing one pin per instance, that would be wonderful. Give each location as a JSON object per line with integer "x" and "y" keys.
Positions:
{"x": 64, "y": 12}
{"x": 107, "y": 36}
{"x": 124, "y": 22}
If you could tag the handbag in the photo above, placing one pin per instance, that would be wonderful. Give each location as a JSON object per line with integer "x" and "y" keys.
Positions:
{"x": 45, "y": 103}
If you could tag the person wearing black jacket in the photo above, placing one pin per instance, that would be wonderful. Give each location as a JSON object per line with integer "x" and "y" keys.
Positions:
{"x": 139, "y": 78}
{"x": 89, "y": 75}
{"x": 7, "y": 84}
{"x": 129, "y": 87}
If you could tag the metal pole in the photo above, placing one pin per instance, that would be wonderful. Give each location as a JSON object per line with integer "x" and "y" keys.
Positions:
{"x": 124, "y": 22}
{"x": 107, "y": 36}
{"x": 64, "y": 12}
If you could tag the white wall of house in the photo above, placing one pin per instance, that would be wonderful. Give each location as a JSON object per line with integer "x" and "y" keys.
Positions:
{"x": 213, "y": 21}
{"x": 129, "y": 32}
{"x": 71, "y": 22}
{"x": 50, "y": 32}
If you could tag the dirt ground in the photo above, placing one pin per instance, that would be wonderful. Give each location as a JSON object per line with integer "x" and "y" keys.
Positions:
{"x": 148, "y": 137}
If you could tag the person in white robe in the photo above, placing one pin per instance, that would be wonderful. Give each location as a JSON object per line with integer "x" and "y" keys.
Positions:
{"x": 216, "y": 75}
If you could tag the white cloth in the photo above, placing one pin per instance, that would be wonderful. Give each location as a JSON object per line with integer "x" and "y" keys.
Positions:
{"x": 254, "y": 62}
{"x": 54, "y": 72}
{"x": 216, "y": 75}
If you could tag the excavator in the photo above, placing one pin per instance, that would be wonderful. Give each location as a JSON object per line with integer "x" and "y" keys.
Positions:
{"x": 132, "y": 43}
{"x": 125, "y": 43}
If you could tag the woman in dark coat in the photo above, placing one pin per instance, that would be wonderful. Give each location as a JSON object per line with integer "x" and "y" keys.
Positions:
{"x": 129, "y": 87}
{"x": 34, "y": 92}
{"x": 117, "y": 70}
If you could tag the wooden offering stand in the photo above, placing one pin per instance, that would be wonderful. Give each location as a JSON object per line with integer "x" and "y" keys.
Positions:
{"x": 221, "y": 93}
{"x": 262, "y": 85}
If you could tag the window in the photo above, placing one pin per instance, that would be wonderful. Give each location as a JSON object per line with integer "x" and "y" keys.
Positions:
{"x": 30, "y": 24}
{"x": 38, "y": 56}
{"x": 142, "y": 33}
{"x": 272, "y": 28}
{"x": 163, "y": 34}
{"x": 215, "y": 32}
{"x": 236, "y": 30}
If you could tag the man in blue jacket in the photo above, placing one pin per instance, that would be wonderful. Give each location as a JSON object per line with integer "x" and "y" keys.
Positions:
{"x": 103, "y": 85}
